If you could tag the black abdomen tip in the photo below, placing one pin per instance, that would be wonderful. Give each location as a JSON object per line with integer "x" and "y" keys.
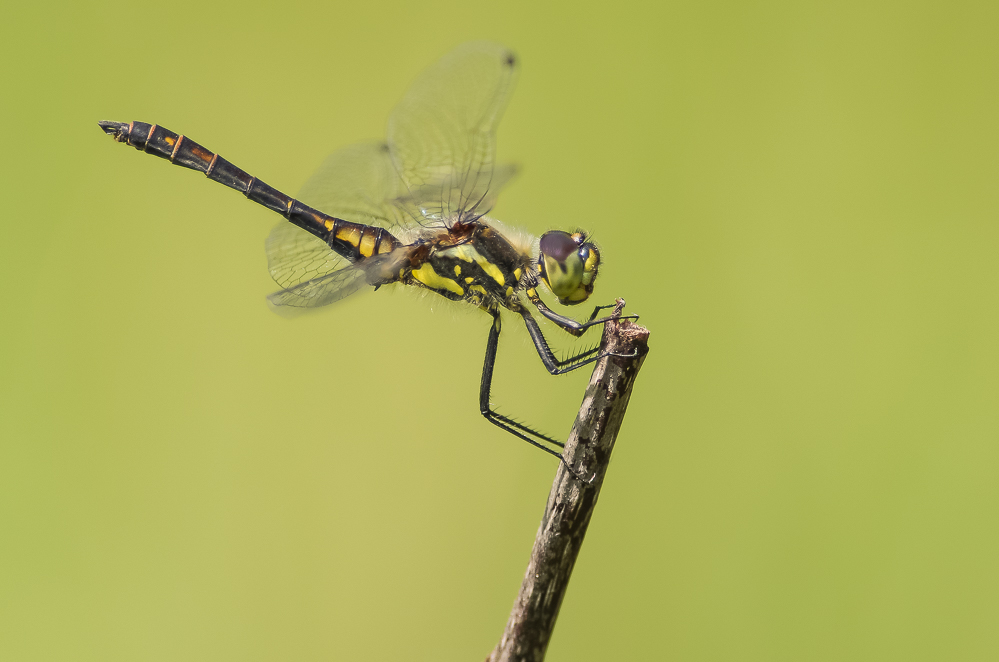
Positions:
{"x": 117, "y": 130}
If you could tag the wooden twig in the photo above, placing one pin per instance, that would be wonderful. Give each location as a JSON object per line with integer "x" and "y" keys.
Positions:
{"x": 571, "y": 501}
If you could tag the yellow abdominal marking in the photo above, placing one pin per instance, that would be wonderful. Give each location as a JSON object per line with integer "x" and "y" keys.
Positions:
{"x": 509, "y": 292}
{"x": 350, "y": 235}
{"x": 457, "y": 270}
{"x": 434, "y": 281}
{"x": 469, "y": 279}
{"x": 367, "y": 246}
{"x": 517, "y": 273}
{"x": 469, "y": 254}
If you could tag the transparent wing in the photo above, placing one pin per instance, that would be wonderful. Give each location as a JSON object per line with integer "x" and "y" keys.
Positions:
{"x": 320, "y": 291}
{"x": 308, "y": 271}
{"x": 438, "y": 166}
{"x": 442, "y": 134}
{"x": 359, "y": 183}
{"x": 441, "y": 200}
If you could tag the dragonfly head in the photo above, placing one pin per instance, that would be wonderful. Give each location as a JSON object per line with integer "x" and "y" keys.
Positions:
{"x": 568, "y": 265}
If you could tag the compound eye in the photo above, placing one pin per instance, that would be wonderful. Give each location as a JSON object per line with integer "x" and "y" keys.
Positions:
{"x": 590, "y": 256}
{"x": 558, "y": 245}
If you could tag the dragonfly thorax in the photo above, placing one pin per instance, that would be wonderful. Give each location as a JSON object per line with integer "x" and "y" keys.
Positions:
{"x": 568, "y": 264}
{"x": 474, "y": 263}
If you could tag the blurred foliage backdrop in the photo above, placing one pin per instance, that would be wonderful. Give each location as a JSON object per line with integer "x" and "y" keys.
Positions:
{"x": 799, "y": 198}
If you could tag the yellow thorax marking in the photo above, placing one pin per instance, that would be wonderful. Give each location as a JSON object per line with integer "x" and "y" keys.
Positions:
{"x": 435, "y": 281}
{"x": 469, "y": 254}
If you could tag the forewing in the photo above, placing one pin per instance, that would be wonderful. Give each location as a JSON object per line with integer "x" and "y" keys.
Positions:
{"x": 308, "y": 271}
{"x": 359, "y": 183}
{"x": 442, "y": 134}
{"x": 436, "y": 201}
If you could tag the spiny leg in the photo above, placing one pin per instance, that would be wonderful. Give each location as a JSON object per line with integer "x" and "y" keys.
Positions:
{"x": 596, "y": 310}
{"x": 553, "y": 365}
{"x": 511, "y": 426}
{"x": 568, "y": 324}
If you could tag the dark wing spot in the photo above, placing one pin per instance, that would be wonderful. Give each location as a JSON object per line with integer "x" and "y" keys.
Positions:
{"x": 511, "y": 59}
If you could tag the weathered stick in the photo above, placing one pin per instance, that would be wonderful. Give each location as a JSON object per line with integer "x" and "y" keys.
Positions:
{"x": 571, "y": 501}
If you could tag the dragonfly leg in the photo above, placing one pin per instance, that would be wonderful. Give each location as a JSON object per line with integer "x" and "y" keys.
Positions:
{"x": 518, "y": 430}
{"x": 513, "y": 427}
{"x": 554, "y": 365}
{"x": 568, "y": 324}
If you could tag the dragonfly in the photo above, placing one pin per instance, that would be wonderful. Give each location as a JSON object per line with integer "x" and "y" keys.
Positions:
{"x": 412, "y": 211}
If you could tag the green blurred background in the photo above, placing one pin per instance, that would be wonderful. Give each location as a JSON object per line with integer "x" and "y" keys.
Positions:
{"x": 800, "y": 200}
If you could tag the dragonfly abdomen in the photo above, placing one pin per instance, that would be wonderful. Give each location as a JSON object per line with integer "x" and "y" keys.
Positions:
{"x": 354, "y": 241}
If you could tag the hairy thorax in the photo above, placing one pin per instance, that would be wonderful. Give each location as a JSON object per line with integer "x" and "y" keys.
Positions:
{"x": 474, "y": 263}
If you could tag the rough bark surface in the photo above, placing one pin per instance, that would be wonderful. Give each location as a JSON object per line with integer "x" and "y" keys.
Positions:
{"x": 571, "y": 501}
